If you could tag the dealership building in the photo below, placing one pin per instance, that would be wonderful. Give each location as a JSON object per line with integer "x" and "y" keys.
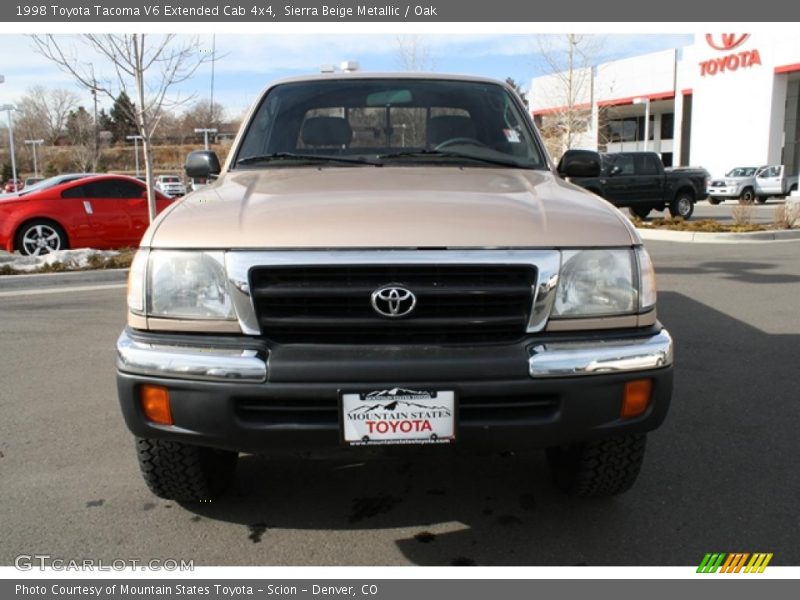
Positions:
{"x": 727, "y": 100}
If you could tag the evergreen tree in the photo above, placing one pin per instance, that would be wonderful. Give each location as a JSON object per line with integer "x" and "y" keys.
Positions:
{"x": 122, "y": 114}
{"x": 104, "y": 121}
{"x": 80, "y": 127}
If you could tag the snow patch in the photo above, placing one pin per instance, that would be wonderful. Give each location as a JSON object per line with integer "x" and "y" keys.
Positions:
{"x": 71, "y": 259}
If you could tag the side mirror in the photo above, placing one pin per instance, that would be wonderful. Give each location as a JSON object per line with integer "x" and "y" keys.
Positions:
{"x": 579, "y": 163}
{"x": 202, "y": 163}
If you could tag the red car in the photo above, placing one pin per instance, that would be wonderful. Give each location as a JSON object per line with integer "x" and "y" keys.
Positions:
{"x": 104, "y": 211}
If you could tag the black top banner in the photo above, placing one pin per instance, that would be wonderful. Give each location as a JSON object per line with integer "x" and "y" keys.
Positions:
{"x": 199, "y": 11}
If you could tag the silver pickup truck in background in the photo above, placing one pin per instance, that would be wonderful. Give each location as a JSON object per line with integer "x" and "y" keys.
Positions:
{"x": 748, "y": 184}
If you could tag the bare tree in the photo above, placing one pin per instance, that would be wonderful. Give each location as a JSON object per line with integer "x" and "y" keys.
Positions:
{"x": 44, "y": 112}
{"x": 203, "y": 114}
{"x": 80, "y": 130}
{"x": 413, "y": 54}
{"x": 146, "y": 67}
{"x": 569, "y": 60}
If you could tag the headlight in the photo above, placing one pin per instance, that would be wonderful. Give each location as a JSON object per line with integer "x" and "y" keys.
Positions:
{"x": 596, "y": 283}
{"x": 188, "y": 285}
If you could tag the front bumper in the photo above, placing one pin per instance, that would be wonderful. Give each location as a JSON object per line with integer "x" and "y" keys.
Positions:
{"x": 239, "y": 394}
{"x": 724, "y": 192}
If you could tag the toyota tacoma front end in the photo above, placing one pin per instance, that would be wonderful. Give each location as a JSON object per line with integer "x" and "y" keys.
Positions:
{"x": 391, "y": 260}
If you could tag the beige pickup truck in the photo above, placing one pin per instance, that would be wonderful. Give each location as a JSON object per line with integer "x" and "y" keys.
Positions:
{"x": 391, "y": 261}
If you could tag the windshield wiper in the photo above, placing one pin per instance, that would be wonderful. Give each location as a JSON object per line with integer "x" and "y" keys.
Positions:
{"x": 280, "y": 156}
{"x": 450, "y": 154}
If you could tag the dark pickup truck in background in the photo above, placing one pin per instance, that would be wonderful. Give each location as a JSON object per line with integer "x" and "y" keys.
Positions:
{"x": 639, "y": 181}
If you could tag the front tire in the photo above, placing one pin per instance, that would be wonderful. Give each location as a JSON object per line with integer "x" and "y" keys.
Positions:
{"x": 748, "y": 196}
{"x": 640, "y": 211}
{"x": 40, "y": 237}
{"x": 599, "y": 468}
{"x": 682, "y": 206}
{"x": 178, "y": 471}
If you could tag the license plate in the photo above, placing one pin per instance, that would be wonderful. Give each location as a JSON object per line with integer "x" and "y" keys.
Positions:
{"x": 398, "y": 416}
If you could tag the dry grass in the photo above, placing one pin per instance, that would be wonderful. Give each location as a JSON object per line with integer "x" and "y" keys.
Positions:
{"x": 787, "y": 215}
{"x": 742, "y": 214}
{"x": 701, "y": 225}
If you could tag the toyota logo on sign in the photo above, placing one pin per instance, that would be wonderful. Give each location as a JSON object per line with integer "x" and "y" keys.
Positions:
{"x": 726, "y": 41}
{"x": 393, "y": 301}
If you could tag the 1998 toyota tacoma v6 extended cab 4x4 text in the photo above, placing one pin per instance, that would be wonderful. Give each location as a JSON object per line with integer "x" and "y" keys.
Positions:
{"x": 391, "y": 260}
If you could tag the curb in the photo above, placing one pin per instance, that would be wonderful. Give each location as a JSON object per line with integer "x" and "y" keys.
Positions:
{"x": 68, "y": 279}
{"x": 703, "y": 237}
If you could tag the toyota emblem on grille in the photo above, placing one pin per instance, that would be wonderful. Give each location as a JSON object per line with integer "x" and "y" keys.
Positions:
{"x": 393, "y": 301}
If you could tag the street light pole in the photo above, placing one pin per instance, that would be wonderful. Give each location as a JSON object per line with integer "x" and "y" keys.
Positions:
{"x": 646, "y": 102}
{"x": 33, "y": 144}
{"x": 135, "y": 139}
{"x": 10, "y": 108}
{"x": 205, "y": 133}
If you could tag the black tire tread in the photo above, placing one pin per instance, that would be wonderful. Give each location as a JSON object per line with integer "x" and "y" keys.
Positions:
{"x": 600, "y": 468}
{"x": 178, "y": 471}
{"x": 673, "y": 206}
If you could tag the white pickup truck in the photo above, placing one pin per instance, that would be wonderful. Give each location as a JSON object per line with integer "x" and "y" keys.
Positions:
{"x": 751, "y": 183}
{"x": 773, "y": 181}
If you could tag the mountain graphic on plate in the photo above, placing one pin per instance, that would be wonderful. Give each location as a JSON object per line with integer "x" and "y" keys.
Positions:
{"x": 394, "y": 405}
{"x": 397, "y": 392}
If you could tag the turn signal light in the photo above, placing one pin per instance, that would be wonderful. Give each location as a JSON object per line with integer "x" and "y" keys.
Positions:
{"x": 155, "y": 404}
{"x": 636, "y": 398}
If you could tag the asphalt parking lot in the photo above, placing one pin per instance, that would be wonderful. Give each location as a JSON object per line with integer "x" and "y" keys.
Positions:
{"x": 720, "y": 475}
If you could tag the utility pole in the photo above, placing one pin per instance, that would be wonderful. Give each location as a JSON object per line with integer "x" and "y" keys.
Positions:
{"x": 135, "y": 139}
{"x": 33, "y": 144}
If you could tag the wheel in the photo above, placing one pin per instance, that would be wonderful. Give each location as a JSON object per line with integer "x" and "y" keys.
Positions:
{"x": 747, "y": 196}
{"x": 682, "y": 206}
{"x": 762, "y": 199}
{"x": 640, "y": 211}
{"x": 714, "y": 201}
{"x": 599, "y": 468}
{"x": 457, "y": 141}
{"x": 178, "y": 471}
{"x": 40, "y": 237}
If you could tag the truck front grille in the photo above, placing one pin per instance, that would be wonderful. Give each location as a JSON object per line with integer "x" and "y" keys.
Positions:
{"x": 332, "y": 304}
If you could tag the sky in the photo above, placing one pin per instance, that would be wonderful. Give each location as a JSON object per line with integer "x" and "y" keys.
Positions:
{"x": 247, "y": 63}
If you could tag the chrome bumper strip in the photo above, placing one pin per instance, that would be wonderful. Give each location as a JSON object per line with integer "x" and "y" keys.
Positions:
{"x": 570, "y": 359}
{"x": 195, "y": 363}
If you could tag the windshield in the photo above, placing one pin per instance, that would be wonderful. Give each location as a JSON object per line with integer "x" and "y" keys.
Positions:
{"x": 741, "y": 172}
{"x": 355, "y": 122}
{"x": 170, "y": 180}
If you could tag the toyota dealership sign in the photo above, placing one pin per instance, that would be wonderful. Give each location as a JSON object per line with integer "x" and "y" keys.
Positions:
{"x": 734, "y": 57}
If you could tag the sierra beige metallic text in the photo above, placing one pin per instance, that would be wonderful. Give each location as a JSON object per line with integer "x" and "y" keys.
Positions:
{"x": 391, "y": 261}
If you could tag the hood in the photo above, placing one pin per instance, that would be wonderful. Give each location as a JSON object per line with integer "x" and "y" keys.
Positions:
{"x": 390, "y": 207}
